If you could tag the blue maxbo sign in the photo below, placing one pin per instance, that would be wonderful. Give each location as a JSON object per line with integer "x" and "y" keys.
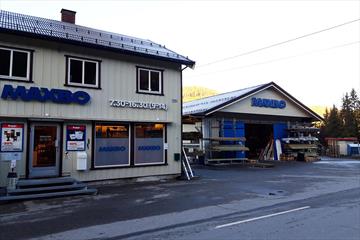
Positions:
{"x": 268, "y": 103}
{"x": 44, "y": 94}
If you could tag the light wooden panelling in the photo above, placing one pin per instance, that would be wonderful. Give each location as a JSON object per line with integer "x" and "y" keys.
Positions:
{"x": 118, "y": 81}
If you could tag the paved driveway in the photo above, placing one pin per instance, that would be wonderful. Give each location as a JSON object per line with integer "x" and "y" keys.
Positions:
{"x": 193, "y": 210}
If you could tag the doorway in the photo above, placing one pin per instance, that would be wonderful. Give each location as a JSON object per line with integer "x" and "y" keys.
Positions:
{"x": 44, "y": 150}
{"x": 257, "y": 137}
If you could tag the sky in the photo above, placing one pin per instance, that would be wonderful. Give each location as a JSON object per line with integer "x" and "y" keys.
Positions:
{"x": 317, "y": 69}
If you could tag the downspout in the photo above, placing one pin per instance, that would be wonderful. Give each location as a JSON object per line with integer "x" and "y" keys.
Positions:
{"x": 181, "y": 110}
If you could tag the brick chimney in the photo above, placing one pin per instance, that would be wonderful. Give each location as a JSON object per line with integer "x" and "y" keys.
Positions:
{"x": 68, "y": 16}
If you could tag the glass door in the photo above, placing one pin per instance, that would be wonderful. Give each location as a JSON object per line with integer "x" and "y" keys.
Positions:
{"x": 44, "y": 150}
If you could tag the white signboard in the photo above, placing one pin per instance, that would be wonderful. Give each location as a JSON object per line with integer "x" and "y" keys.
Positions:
{"x": 12, "y": 137}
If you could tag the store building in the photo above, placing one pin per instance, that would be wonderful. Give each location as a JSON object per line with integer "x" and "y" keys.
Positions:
{"x": 86, "y": 103}
{"x": 251, "y": 117}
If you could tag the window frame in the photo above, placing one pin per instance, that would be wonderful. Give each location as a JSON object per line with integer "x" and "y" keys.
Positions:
{"x": 83, "y": 60}
{"x": 132, "y": 146}
{"x": 94, "y": 166}
{"x": 164, "y": 150}
{"x": 161, "y": 81}
{"x": 29, "y": 66}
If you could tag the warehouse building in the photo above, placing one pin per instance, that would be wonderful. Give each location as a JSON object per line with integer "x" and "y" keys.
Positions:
{"x": 86, "y": 103}
{"x": 246, "y": 123}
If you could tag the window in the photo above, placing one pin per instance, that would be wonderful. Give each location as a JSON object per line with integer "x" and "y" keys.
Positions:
{"x": 83, "y": 72}
{"x": 149, "y": 81}
{"x": 15, "y": 64}
{"x": 112, "y": 145}
{"x": 149, "y": 144}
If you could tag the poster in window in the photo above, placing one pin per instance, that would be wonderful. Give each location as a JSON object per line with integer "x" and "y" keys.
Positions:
{"x": 75, "y": 137}
{"x": 12, "y": 135}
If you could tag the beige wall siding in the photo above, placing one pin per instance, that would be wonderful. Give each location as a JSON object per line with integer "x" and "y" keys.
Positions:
{"x": 244, "y": 106}
{"x": 118, "y": 81}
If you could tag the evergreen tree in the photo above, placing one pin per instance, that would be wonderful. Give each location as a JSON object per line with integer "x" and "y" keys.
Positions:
{"x": 350, "y": 128}
{"x": 355, "y": 108}
{"x": 333, "y": 124}
{"x": 354, "y": 100}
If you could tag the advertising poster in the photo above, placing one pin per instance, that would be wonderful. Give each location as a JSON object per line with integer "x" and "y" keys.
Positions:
{"x": 12, "y": 135}
{"x": 75, "y": 137}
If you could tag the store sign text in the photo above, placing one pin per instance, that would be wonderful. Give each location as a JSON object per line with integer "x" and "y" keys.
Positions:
{"x": 112, "y": 149}
{"x": 44, "y": 94}
{"x": 141, "y": 105}
{"x": 149, "y": 148}
{"x": 268, "y": 103}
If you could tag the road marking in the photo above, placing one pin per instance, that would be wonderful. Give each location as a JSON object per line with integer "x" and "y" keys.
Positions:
{"x": 257, "y": 218}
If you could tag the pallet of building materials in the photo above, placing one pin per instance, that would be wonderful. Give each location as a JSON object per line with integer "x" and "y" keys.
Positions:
{"x": 301, "y": 146}
{"x": 228, "y": 148}
{"x": 285, "y": 157}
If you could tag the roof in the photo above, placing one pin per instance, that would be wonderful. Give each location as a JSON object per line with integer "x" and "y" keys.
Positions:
{"x": 43, "y": 28}
{"x": 209, "y": 105}
{"x": 205, "y": 104}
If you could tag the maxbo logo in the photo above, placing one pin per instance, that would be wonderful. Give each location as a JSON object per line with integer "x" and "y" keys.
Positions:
{"x": 44, "y": 94}
{"x": 149, "y": 148}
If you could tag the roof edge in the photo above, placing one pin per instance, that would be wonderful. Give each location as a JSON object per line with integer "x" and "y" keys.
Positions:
{"x": 263, "y": 87}
{"x": 188, "y": 63}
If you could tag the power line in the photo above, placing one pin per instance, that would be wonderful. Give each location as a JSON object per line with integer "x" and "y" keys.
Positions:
{"x": 277, "y": 44}
{"x": 275, "y": 60}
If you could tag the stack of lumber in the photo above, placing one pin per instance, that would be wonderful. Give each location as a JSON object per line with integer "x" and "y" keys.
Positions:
{"x": 268, "y": 152}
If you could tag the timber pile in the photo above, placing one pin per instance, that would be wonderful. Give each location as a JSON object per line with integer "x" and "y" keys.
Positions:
{"x": 219, "y": 147}
{"x": 284, "y": 157}
{"x": 268, "y": 152}
{"x": 301, "y": 144}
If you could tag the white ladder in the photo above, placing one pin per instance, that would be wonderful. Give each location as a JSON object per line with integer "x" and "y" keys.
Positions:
{"x": 186, "y": 166}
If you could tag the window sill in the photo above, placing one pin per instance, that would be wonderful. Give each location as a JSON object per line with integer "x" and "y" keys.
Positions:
{"x": 133, "y": 166}
{"x": 77, "y": 86}
{"x": 15, "y": 80}
{"x": 150, "y": 93}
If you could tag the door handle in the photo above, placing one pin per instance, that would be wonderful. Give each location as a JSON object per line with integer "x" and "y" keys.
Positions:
{"x": 56, "y": 143}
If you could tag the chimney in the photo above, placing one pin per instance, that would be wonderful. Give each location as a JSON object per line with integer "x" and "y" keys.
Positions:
{"x": 68, "y": 16}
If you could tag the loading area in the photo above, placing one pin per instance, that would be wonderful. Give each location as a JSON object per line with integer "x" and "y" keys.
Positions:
{"x": 250, "y": 125}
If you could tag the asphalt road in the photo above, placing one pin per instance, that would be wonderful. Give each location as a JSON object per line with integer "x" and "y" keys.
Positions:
{"x": 291, "y": 201}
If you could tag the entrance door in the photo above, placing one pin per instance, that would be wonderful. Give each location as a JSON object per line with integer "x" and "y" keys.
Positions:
{"x": 44, "y": 150}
